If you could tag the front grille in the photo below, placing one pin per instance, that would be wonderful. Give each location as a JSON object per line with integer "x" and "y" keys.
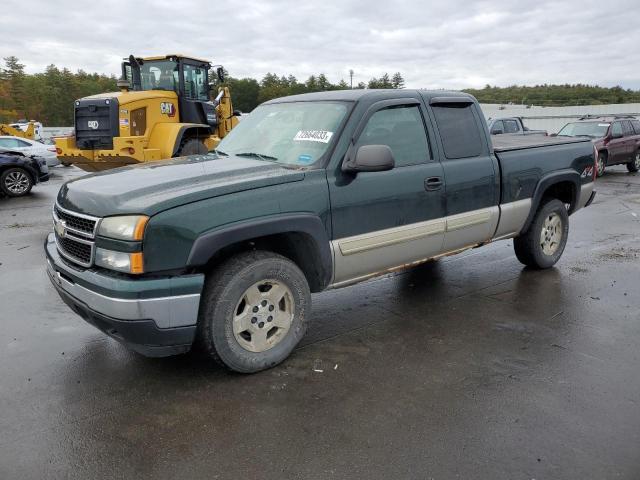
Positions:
{"x": 96, "y": 123}
{"x": 75, "y": 249}
{"x": 82, "y": 224}
{"x": 75, "y": 235}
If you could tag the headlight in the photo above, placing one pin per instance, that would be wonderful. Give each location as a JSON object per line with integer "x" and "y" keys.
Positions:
{"x": 120, "y": 261}
{"x": 126, "y": 227}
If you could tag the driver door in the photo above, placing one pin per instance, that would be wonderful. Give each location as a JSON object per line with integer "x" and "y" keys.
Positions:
{"x": 387, "y": 219}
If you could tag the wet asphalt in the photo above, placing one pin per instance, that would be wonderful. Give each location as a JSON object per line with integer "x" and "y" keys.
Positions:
{"x": 470, "y": 367}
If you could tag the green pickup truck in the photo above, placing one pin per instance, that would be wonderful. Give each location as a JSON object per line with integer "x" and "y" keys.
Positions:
{"x": 309, "y": 192}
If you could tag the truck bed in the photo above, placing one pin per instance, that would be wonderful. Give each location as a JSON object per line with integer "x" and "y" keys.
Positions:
{"x": 505, "y": 143}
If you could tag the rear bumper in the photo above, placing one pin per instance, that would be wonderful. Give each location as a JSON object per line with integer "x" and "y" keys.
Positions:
{"x": 586, "y": 195}
{"x": 134, "y": 312}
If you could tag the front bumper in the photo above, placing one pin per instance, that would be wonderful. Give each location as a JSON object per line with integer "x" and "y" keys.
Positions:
{"x": 155, "y": 317}
{"x": 105, "y": 159}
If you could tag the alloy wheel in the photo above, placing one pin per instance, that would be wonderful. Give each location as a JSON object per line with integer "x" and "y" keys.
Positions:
{"x": 600, "y": 166}
{"x": 17, "y": 182}
{"x": 551, "y": 234}
{"x": 263, "y": 315}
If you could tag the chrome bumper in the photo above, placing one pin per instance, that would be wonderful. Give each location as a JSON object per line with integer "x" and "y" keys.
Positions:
{"x": 166, "y": 311}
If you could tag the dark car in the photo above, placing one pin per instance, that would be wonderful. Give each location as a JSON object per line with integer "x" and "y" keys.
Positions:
{"x": 20, "y": 172}
{"x": 617, "y": 139}
{"x": 511, "y": 126}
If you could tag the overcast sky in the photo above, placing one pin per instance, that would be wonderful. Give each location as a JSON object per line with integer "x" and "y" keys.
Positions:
{"x": 435, "y": 44}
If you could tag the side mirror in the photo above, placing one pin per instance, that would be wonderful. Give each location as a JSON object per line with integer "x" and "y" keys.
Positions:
{"x": 220, "y": 73}
{"x": 237, "y": 113}
{"x": 497, "y": 132}
{"x": 371, "y": 158}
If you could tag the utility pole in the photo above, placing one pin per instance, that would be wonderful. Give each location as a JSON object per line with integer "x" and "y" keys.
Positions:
{"x": 351, "y": 75}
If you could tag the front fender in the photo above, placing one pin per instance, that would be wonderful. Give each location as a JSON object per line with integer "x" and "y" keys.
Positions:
{"x": 206, "y": 245}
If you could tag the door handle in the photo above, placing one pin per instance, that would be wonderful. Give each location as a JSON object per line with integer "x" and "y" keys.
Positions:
{"x": 433, "y": 183}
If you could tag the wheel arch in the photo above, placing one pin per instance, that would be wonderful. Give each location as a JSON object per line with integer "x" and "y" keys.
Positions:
{"x": 563, "y": 185}
{"x": 300, "y": 237}
{"x": 190, "y": 131}
{"x": 167, "y": 137}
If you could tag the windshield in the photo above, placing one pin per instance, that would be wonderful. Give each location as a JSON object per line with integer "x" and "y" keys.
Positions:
{"x": 159, "y": 75}
{"x": 589, "y": 129}
{"x": 296, "y": 133}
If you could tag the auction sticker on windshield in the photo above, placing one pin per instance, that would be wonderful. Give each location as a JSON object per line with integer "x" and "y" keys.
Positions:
{"x": 313, "y": 136}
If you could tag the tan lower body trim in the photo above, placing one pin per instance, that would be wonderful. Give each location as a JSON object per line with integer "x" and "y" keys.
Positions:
{"x": 391, "y": 236}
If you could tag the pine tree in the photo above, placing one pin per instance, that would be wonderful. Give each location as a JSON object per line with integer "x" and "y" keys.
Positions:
{"x": 397, "y": 81}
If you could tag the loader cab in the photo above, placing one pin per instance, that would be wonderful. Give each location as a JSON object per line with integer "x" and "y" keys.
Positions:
{"x": 187, "y": 77}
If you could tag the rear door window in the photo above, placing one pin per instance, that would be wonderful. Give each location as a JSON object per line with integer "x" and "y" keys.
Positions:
{"x": 636, "y": 126}
{"x": 628, "y": 129}
{"x": 459, "y": 130}
{"x": 511, "y": 126}
{"x": 9, "y": 143}
{"x": 402, "y": 130}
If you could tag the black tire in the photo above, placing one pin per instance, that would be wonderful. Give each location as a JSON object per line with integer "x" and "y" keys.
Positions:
{"x": 192, "y": 146}
{"x": 601, "y": 164}
{"x": 16, "y": 182}
{"x": 529, "y": 245}
{"x": 224, "y": 297}
{"x": 634, "y": 165}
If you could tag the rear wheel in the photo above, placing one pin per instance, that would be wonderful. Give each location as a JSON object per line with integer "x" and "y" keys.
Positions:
{"x": 634, "y": 166}
{"x": 600, "y": 164}
{"x": 15, "y": 182}
{"x": 254, "y": 311}
{"x": 192, "y": 146}
{"x": 541, "y": 246}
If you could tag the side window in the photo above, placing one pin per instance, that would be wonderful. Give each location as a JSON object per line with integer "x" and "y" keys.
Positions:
{"x": 195, "y": 83}
{"x": 636, "y": 126}
{"x": 511, "y": 126}
{"x": 402, "y": 130}
{"x": 22, "y": 143}
{"x": 459, "y": 131}
{"x": 616, "y": 128}
{"x": 9, "y": 143}
{"x": 497, "y": 128}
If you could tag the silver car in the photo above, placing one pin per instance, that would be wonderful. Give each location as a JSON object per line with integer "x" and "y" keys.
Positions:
{"x": 31, "y": 147}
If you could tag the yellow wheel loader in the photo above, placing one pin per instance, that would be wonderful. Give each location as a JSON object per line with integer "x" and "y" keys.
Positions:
{"x": 30, "y": 131}
{"x": 164, "y": 109}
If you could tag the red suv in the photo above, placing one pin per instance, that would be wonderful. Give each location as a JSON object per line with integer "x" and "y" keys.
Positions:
{"x": 617, "y": 139}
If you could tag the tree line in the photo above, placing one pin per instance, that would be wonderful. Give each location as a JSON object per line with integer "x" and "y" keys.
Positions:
{"x": 48, "y": 96}
{"x": 555, "y": 95}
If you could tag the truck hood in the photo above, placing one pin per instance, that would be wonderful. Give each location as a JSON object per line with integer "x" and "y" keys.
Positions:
{"x": 157, "y": 186}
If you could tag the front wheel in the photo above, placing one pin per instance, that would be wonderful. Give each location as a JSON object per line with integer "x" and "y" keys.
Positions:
{"x": 253, "y": 311}
{"x": 15, "y": 182}
{"x": 634, "y": 166}
{"x": 541, "y": 246}
{"x": 600, "y": 164}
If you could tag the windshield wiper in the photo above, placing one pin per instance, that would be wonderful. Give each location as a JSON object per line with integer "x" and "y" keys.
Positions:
{"x": 220, "y": 152}
{"x": 257, "y": 155}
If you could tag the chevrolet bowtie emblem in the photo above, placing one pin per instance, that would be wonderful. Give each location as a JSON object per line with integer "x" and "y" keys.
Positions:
{"x": 61, "y": 228}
